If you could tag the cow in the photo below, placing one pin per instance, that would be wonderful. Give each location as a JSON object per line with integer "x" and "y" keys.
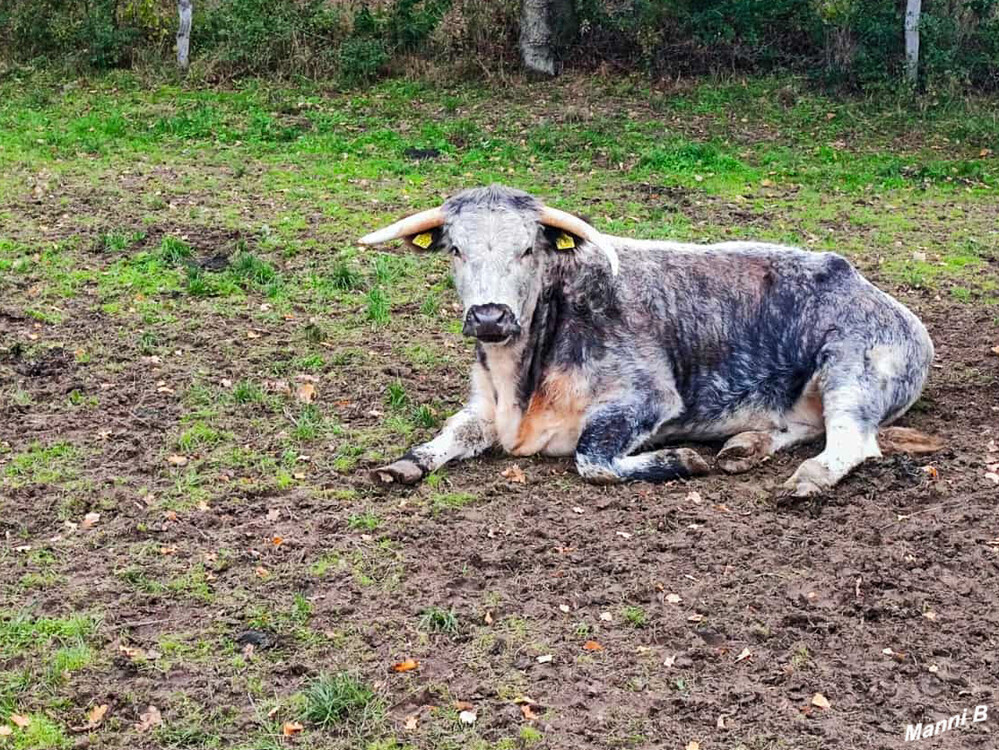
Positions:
{"x": 608, "y": 349}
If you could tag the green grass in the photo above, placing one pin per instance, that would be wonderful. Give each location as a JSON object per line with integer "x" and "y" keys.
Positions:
{"x": 43, "y": 464}
{"x": 437, "y": 620}
{"x": 341, "y": 701}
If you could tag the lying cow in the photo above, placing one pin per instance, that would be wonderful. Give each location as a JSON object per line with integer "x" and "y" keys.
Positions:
{"x": 608, "y": 348}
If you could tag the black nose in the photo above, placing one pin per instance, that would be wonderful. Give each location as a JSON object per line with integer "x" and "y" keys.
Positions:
{"x": 490, "y": 323}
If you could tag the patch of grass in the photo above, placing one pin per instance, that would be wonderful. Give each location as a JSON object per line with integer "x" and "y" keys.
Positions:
{"x": 345, "y": 277}
{"x": 201, "y": 436}
{"x": 341, "y": 701}
{"x": 424, "y": 416}
{"x": 43, "y": 464}
{"x": 636, "y": 617}
{"x": 364, "y": 522}
{"x": 378, "y": 308}
{"x": 174, "y": 251}
{"x": 451, "y": 500}
{"x": 437, "y": 620}
{"x": 41, "y": 734}
{"x": 247, "y": 392}
{"x": 118, "y": 241}
{"x": 395, "y": 396}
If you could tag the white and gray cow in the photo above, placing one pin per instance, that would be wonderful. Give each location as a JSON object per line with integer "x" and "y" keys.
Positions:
{"x": 609, "y": 348}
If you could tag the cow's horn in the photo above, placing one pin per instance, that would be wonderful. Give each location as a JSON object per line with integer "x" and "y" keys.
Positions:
{"x": 552, "y": 217}
{"x": 421, "y": 222}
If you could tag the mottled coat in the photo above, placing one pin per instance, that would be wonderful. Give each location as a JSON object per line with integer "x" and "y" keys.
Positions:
{"x": 763, "y": 344}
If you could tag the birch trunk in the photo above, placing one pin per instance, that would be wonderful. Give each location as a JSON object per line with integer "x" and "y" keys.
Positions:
{"x": 912, "y": 10}
{"x": 186, "y": 10}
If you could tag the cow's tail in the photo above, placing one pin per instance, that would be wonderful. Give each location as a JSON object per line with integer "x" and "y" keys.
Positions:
{"x": 906, "y": 440}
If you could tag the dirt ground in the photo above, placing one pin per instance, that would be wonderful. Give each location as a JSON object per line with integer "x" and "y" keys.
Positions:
{"x": 697, "y": 614}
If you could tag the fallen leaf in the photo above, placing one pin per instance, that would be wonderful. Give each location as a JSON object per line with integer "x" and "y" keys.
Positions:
{"x": 544, "y": 659}
{"x": 412, "y": 722}
{"x": 577, "y": 509}
{"x": 743, "y": 655}
{"x": 721, "y": 722}
{"x": 930, "y": 615}
{"x": 305, "y": 393}
{"x": 89, "y": 520}
{"x": 564, "y": 608}
{"x": 673, "y": 598}
{"x": 467, "y": 717}
{"x": 514, "y": 474}
{"x": 148, "y": 719}
{"x": 170, "y": 515}
{"x": 820, "y": 701}
{"x": 995, "y": 350}
{"x": 606, "y": 616}
{"x": 406, "y": 666}
{"x": 528, "y": 712}
{"x": 592, "y": 646}
{"x": 97, "y": 713}
{"x": 623, "y": 534}
{"x": 931, "y": 472}
{"x": 695, "y": 617}
{"x": 20, "y": 721}
{"x": 177, "y": 460}
{"x": 277, "y": 541}
{"x": 262, "y": 572}
{"x": 463, "y": 706}
{"x": 992, "y": 477}
{"x": 291, "y": 728}
{"x": 693, "y": 745}
{"x": 168, "y": 550}
{"x": 669, "y": 661}
{"x": 273, "y": 514}
{"x": 488, "y": 619}
{"x": 5, "y": 731}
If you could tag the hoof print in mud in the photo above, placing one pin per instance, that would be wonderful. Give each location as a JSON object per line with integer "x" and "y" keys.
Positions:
{"x": 400, "y": 472}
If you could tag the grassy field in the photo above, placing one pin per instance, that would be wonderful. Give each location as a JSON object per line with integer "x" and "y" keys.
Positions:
{"x": 197, "y": 364}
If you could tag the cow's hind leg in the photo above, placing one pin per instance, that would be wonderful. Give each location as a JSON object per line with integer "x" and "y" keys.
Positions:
{"x": 605, "y": 451}
{"x": 801, "y": 424}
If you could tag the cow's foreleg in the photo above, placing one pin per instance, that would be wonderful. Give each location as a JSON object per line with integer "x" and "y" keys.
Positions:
{"x": 468, "y": 433}
{"x": 605, "y": 452}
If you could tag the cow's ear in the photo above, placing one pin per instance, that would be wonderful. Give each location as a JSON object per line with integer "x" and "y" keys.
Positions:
{"x": 428, "y": 240}
{"x": 561, "y": 240}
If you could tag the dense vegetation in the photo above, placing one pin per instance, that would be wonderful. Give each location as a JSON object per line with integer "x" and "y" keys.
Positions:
{"x": 845, "y": 42}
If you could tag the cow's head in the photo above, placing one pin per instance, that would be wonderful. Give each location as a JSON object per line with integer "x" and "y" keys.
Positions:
{"x": 502, "y": 242}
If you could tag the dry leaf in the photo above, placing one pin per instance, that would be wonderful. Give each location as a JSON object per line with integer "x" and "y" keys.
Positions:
{"x": 262, "y": 572}
{"x": 277, "y": 541}
{"x": 5, "y": 731}
{"x": 673, "y": 598}
{"x": 514, "y": 474}
{"x": 820, "y": 701}
{"x": 544, "y": 659}
{"x": 412, "y": 721}
{"x": 148, "y": 719}
{"x": 273, "y": 514}
{"x": 931, "y": 472}
{"x": 592, "y": 646}
{"x": 606, "y": 616}
{"x": 721, "y": 722}
{"x": 96, "y": 715}
{"x": 564, "y": 608}
{"x": 577, "y": 509}
{"x": 406, "y": 666}
{"x": 930, "y": 615}
{"x": 744, "y": 654}
{"x": 695, "y": 618}
{"x": 488, "y": 619}
{"x": 20, "y": 721}
{"x": 693, "y": 745}
{"x": 463, "y": 706}
{"x": 291, "y": 728}
{"x": 89, "y": 520}
{"x": 305, "y": 393}
{"x": 168, "y": 550}
{"x": 177, "y": 460}
{"x": 528, "y": 712}
{"x": 467, "y": 717}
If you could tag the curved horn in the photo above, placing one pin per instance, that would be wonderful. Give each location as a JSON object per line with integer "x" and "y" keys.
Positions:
{"x": 421, "y": 222}
{"x": 552, "y": 217}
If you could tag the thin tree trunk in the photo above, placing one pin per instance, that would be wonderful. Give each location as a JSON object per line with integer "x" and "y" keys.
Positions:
{"x": 912, "y": 10}
{"x": 186, "y": 10}
{"x": 536, "y": 37}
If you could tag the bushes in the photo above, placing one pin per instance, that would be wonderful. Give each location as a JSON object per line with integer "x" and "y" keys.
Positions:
{"x": 851, "y": 42}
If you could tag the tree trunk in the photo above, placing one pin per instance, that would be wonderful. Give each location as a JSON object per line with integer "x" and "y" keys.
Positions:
{"x": 536, "y": 46}
{"x": 186, "y": 10}
{"x": 912, "y": 11}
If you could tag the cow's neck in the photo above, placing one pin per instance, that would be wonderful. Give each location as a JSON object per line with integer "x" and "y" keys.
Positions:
{"x": 516, "y": 370}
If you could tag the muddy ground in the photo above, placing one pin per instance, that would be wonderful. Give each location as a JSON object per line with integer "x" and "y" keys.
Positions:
{"x": 695, "y": 614}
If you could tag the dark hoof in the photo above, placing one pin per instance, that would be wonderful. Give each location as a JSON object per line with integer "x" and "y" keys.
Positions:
{"x": 400, "y": 472}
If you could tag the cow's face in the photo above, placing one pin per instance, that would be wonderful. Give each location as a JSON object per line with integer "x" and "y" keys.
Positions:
{"x": 498, "y": 261}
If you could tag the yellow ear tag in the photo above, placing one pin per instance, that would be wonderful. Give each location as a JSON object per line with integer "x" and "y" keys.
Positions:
{"x": 565, "y": 242}
{"x": 423, "y": 240}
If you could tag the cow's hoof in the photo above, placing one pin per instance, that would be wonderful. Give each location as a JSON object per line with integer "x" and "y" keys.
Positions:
{"x": 811, "y": 479}
{"x": 691, "y": 460}
{"x": 403, "y": 471}
{"x": 743, "y": 452}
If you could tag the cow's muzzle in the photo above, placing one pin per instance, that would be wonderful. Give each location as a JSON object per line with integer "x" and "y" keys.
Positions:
{"x": 490, "y": 323}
